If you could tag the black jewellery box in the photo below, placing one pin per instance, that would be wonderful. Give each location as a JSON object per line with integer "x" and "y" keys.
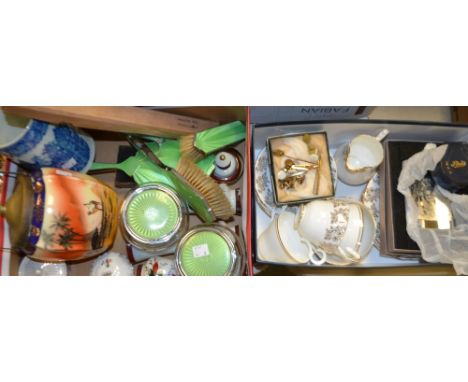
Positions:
{"x": 300, "y": 167}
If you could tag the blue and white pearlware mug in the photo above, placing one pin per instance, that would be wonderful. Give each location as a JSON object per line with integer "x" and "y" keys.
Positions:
{"x": 34, "y": 143}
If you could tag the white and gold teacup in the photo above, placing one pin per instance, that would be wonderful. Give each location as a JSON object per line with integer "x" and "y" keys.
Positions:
{"x": 281, "y": 243}
{"x": 344, "y": 229}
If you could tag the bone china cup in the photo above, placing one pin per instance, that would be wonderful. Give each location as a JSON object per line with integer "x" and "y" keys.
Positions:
{"x": 281, "y": 243}
{"x": 345, "y": 229}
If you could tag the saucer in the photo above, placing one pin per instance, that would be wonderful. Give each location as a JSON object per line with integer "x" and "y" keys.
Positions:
{"x": 371, "y": 199}
{"x": 29, "y": 267}
{"x": 291, "y": 239}
{"x": 263, "y": 183}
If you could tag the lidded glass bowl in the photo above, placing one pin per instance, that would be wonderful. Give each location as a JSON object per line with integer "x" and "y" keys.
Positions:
{"x": 153, "y": 217}
{"x": 210, "y": 250}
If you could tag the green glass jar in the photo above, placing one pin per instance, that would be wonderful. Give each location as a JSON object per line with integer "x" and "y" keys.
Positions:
{"x": 153, "y": 217}
{"x": 210, "y": 250}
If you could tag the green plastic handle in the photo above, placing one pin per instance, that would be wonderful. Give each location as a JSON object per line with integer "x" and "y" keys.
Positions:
{"x": 106, "y": 166}
{"x": 219, "y": 137}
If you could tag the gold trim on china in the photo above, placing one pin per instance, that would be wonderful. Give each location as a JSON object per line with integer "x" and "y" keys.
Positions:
{"x": 278, "y": 236}
{"x": 357, "y": 247}
{"x": 361, "y": 170}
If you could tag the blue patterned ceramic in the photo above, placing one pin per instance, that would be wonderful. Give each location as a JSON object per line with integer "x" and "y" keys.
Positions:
{"x": 40, "y": 144}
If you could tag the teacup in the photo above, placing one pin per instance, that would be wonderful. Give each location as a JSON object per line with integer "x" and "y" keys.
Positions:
{"x": 358, "y": 160}
{"x": 281, "y": 243}
{"x": 344, "y": 229}
{"x": 35, "y": 143}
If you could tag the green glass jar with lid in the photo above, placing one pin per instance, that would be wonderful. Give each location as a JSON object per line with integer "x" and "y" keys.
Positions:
{"x": 210, "y": 250}
{"x": 153, "y": 217}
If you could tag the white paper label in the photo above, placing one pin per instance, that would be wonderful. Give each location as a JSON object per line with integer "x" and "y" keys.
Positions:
{"x": 200, "y": 250}
{"x": 69, "y": 163}
{"x": 61, "y": 172}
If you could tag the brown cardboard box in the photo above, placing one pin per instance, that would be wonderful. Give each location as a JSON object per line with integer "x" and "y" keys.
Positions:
{"x": 107, "y": 145}
{"x": 122, "y": 119}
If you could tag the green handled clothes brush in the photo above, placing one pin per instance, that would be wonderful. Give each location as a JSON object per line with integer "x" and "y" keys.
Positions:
{"x": 168, "y": 152}
{"x": 141, "y": 168}
{"x": 144, "y": 170}
{"x": 196, "y": 146}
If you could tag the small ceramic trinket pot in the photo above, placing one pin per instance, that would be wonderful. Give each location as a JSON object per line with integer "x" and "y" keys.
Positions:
{"x": 153, "y": 217}
{"x": 210, "y": 250}
{"x": 112, "y": 264}
{"x": 157, "y": 266}
{"x": 228, "y": 166}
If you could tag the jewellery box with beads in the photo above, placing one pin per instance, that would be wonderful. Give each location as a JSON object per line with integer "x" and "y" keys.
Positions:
{"x": 300, "y": 167}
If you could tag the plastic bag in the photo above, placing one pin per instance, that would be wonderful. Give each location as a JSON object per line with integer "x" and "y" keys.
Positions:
{"x": 437, "y": 246}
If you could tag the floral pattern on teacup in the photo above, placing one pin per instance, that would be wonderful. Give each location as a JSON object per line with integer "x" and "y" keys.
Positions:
{"x": 371, "y": 199}
{"x": 339, "y": 218}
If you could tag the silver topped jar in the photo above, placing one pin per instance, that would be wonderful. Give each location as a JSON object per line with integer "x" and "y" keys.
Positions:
{"x": 210, "y": 250}
{"x": 153, "y": 217}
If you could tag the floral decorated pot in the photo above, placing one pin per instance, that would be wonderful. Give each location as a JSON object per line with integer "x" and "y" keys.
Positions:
{"x": 74, "y": 217}
{"x": 158, "y": 266}
{"x": 112, "y": 264}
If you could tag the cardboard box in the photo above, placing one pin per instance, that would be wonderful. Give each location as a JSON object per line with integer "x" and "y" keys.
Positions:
{"x": 340, "y": 132}
{"x": 286, "y": 114}
{"x": 107, "y": 144}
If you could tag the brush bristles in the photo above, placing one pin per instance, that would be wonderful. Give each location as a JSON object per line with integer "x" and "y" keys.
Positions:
{"x": 206, "y": 186}
{"x": 188, "y": 149}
